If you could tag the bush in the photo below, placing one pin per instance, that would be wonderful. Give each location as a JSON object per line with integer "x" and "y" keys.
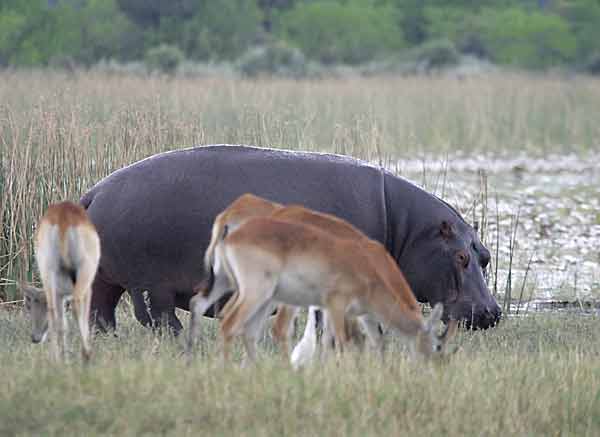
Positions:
{"x": 436, "y": 54}
{"x": 351, "y": 33}
{"x": 273, "y": 59}
{"x": 32, "y": 33}
{"x": 222, "y": 30}
{"x": 583, "y": 17}
{"x": 508, "y": 36}
{"x": 534, "y": 40}
{"x": 164, "y": 58}
{"x": 592, "y": 65}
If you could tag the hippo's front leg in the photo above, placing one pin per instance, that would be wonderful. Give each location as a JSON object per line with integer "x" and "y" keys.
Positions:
{"x": 140, "y": 307}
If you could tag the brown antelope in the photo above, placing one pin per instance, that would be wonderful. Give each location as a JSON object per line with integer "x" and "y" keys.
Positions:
{"x": 241, "y": 210}
{"x": 273, "y": 261}
{"x": 67, "y": 251}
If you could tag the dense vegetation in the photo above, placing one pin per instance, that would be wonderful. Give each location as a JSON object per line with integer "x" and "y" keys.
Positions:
{"x": 524, "y": 33}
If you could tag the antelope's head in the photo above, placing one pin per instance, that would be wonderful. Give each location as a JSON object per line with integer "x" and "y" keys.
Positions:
{"x": 37, "y": 307}
{"x": 430, "y": 344}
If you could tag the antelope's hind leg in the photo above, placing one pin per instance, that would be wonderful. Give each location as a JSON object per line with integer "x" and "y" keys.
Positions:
{"x": 202, "y": 301}
{"x": 82, "y": 299}
{"x": 254, "y": 329}
{"x": 337, "y": 309}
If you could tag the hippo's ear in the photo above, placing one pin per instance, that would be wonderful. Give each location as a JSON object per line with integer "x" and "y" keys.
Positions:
{"x": 446, "y": 230}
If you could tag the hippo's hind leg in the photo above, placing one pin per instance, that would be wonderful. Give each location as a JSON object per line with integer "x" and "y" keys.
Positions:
{"x": 105, "y": 297}
{"x": 162, "y": 310}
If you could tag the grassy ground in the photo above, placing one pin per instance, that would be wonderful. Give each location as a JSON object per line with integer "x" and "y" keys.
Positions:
{"x": 538, "y": 375}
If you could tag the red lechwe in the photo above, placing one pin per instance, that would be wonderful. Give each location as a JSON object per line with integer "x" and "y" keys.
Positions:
{"x": 241, "y": 210}
{"x": 273, "y": 261}
{"x": 67, "y": 251}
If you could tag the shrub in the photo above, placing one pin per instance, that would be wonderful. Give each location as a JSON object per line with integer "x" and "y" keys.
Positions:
{"x": 273, "y": 59}
{"x": 350, "y": 33}
{"x": 436, "y": 54}
{"x": 221, "y": 30}
{"x": 583, "y": 17}
{"x": 507, "y": 36}
{"x": 592, "y": 65}
{"x": 534, "y": 40}
{"x": 164, "y": 58}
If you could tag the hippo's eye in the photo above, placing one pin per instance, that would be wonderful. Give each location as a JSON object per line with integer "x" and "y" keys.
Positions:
{"x": 462, "y": 259}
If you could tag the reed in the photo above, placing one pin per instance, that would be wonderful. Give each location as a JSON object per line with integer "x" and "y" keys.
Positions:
{"x": 62, "y": 132}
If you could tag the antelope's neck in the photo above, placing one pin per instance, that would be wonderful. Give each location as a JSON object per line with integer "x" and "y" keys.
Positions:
{"x": 397, "y": 314}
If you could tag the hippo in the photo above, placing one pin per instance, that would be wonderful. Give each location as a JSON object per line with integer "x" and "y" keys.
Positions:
{"x": 154, "y": 219}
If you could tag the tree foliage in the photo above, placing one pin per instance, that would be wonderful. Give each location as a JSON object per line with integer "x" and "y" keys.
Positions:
{"x": 525, "y": 33}
{"x": 333, "y": 32}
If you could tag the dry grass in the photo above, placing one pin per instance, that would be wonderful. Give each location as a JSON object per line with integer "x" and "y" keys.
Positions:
{"x": 59, "y": 133}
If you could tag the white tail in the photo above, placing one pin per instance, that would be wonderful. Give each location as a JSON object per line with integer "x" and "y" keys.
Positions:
{"x": 243, "y": 208}
{"x": 67, "y": 251}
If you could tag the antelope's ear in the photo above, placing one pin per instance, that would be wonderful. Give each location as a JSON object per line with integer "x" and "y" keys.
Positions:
{"x": 435, "y": 316}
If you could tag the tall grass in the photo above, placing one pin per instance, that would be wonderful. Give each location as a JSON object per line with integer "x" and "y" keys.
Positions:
{"x": 61, "y": 133}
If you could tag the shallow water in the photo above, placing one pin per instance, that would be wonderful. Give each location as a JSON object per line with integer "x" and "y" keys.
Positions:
{"x": 557, "y": 201}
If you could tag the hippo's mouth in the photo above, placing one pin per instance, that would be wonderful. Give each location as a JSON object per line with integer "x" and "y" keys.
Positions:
{"x": 484, "y": 320}
{"x": 476, "y": 320}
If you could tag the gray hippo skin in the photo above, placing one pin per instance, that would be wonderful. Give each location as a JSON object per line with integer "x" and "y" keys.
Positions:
{"x": 154, "y": 219}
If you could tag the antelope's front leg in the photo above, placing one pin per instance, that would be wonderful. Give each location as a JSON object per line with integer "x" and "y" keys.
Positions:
{"x": 283, "y": 327}
{"x": 337, "y": 312}
{"x": 374, "y": 335}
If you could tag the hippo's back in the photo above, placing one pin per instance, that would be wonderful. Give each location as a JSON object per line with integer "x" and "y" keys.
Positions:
{"x": 154, "y": 217}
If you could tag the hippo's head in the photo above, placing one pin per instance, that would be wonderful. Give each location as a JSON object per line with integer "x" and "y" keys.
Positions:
{"x": 445, "y": 263}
